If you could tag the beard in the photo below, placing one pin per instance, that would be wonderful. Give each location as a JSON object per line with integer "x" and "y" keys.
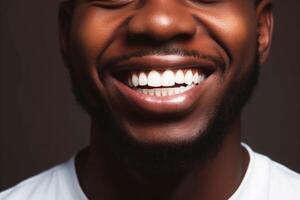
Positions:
{"x": 170, "y": 160}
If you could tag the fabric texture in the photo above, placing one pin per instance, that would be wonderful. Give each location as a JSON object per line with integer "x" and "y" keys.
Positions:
{"x": 264, "y": 180}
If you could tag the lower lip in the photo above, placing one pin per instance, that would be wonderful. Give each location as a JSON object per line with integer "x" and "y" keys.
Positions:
{"x": 132, "y": 100}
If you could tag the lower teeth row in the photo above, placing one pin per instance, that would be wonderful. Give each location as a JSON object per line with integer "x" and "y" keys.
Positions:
{"x": 165, "y": 91}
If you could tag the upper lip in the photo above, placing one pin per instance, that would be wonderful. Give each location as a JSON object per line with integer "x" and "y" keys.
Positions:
{"x": 157, "y": 62}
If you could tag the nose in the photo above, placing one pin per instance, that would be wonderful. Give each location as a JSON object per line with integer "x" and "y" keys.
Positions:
{"x": 161, "y": 21}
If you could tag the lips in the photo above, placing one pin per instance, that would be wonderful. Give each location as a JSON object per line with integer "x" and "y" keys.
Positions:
{"x": 159, "y": 84}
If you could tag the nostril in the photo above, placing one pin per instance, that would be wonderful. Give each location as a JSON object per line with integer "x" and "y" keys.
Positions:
{"x": 142, "y": 38}
{"x": 183, "y": 37}
{"x": 152, "y": 40}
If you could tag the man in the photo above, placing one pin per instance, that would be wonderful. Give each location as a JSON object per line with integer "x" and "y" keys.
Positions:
{"x": 164, "y": 82}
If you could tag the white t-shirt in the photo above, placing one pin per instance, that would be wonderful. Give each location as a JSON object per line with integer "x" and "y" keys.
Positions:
{"x": 264, "y": 180}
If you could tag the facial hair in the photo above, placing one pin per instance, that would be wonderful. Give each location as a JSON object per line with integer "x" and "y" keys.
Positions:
{"x": 171, "y": 159}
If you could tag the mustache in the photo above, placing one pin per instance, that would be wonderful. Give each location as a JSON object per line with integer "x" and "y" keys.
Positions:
{"x": 217, "y": 60}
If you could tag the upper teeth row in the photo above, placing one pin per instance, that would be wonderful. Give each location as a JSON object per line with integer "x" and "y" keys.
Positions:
{"x": 166, "y": 78}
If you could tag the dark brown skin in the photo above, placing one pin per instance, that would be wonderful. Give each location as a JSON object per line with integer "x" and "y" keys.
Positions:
{"x": 93, "y": 33}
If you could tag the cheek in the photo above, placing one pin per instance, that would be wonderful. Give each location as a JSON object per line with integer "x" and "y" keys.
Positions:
{"x": 236, "y": 28}
{"x": 90, "y": 33}
{"x": 238, "y": 32}
{"x": 87, "y": 38}
{"x": 240, "y": 35}
{"x": 92, "y": 30}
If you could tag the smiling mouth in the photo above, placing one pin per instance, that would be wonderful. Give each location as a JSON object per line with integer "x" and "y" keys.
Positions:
{"x": 162, "y": 76}
{"x": 160, "y": 84}
{"x": 166, "y": 82}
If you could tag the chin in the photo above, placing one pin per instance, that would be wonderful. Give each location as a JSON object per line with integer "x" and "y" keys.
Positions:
{"x": 163, "y": 132}
{"x": 163, "y": 147}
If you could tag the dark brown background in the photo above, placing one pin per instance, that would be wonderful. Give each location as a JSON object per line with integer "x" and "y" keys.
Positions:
{"x": 41, "y": 125}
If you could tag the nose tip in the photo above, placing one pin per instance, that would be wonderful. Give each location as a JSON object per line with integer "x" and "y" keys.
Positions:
{"x": 162, "y": 22}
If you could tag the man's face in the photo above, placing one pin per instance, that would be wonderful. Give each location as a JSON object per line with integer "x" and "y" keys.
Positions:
{"x": 161, "y": 67}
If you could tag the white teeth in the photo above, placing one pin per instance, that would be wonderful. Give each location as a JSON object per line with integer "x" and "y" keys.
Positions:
{"x": 143, "y": 79}
{"x": 135, "y": 80}
{"x": 195, "y": 78}
{"x": 145, "y": 91}
{"x": 157, "y": 92}
{"x": 182, "y": 89}
{"x": 170, "y": 91}
{"x": 176, "y": 90}
{"x": 188, "y": 78}
{"x": 168, "y": 78}
{"x": 179, "y": 77}
{"x": 164, "y": 83}
{"x": 164, "y": 92}
{"x": 151, "y": 92}
{"x": 201, "y": 78}
{"x": 154, "y": 79}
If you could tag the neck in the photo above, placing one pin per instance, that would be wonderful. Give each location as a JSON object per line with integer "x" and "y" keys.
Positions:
{"x": 102, "y": 178}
